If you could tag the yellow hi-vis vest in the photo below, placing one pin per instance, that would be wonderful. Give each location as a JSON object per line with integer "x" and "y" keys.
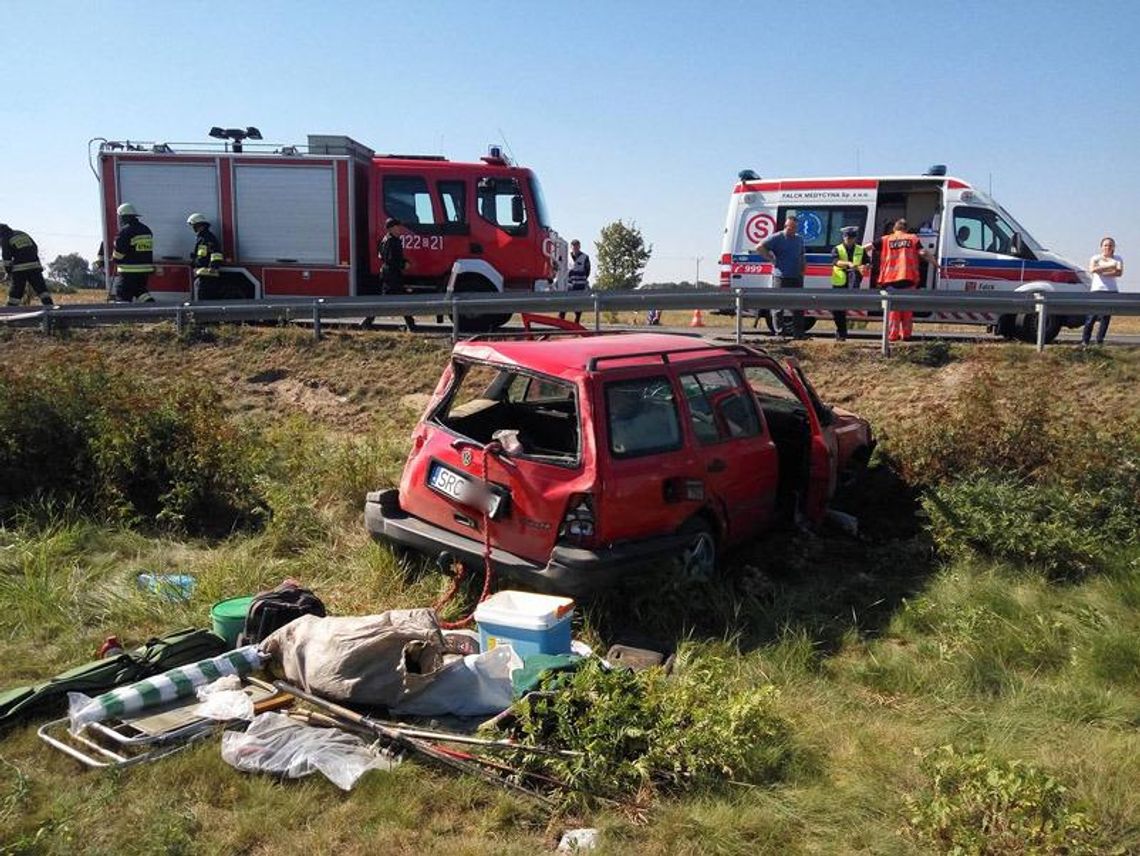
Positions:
{"x": 838, "y": 274}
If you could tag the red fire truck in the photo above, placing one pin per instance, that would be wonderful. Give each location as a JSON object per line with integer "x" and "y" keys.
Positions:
{"x": 306, "y": 221}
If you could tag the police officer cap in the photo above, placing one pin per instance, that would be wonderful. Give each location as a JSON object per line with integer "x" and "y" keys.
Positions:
{"x": 852, "y": 231}
{"x": 390, "y": 222}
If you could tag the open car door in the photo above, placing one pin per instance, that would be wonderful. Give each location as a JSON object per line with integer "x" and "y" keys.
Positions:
{"x": 822, "y": 477}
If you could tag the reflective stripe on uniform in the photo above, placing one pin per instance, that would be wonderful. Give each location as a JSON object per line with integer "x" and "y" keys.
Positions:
{"x": 27, "y": 266}
{"x": 136, "y": 268}
{"x": 205, "y": 271}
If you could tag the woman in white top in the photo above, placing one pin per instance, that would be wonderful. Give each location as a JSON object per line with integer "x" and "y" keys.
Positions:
{"x": 1105, "y": 267}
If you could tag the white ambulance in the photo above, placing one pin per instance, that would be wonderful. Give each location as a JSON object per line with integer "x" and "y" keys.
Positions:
{"x": 980, "y": 247}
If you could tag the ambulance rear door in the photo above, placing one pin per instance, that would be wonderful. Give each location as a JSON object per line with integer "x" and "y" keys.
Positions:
{"x": 751, "y": 219}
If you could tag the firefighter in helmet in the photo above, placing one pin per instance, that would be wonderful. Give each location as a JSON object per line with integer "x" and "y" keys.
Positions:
{"x": 133, "y": 255}
{"x": 21, "y": 259}
{"x": 206, "y": 257}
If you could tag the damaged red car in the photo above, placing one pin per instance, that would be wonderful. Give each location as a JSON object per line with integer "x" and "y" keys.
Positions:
{"x": 578, "y": 460}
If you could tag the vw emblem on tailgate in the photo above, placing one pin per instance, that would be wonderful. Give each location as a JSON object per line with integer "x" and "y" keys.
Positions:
{"x": 466, "y": 457}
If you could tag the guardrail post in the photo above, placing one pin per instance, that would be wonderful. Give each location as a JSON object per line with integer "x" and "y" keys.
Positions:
{"x": 454, "y": 319}
{"x": 739, "y": 315}
{"x": 45, "y": 322}
{"x": 886, "y": 304}
{"x": 597, "y": 313}
{"x": 317, "y": 318}
{"x": 1042, "y": 317}
{"x": 179, "y": 323}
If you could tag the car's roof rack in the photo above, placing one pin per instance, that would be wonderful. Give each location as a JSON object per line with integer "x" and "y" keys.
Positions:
{"x": 664, "y": 356}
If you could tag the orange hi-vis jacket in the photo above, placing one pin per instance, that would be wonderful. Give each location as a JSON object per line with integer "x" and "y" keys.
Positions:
{"x": 899, "y": 257}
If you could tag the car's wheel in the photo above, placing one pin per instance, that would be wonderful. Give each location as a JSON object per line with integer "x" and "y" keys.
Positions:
{"x": 475, "y": 284}
{"x": 698, "y": 559}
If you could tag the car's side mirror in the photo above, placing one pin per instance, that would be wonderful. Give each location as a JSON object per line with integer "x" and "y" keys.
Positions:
{"x": 518, "y": 211}
{"x": 1016, "y": 245}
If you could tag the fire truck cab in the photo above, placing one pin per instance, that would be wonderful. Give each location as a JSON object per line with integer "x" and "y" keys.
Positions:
{"x": 980, "y": 246}
{"x": 306, "y": 221}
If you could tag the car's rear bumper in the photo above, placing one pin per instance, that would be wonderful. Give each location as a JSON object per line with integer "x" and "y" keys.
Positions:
{"x": 573, "y": 571}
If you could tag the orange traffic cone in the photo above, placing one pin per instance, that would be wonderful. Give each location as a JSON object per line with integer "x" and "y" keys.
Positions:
{"x": 698, "y": 319}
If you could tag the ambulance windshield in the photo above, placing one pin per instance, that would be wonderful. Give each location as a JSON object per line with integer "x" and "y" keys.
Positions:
{"x": 1026, "y": 238}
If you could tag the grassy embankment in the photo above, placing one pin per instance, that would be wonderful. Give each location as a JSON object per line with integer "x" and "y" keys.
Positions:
{"x": 993, "y": 605}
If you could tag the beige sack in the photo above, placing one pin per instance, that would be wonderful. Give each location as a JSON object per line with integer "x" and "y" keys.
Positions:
{"x": 378, "y": 660}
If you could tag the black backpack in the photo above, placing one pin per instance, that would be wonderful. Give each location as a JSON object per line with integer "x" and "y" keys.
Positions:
{"x": 271, "y": 610}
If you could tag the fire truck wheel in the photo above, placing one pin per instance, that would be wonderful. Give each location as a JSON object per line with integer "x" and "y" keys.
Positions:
{"x": 474, "y": 284}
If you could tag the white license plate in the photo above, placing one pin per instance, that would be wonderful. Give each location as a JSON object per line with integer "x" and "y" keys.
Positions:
{"x": 462, "y": 489}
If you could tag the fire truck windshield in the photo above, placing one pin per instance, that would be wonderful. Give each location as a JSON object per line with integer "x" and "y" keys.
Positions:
{"x": 539, "y": 202}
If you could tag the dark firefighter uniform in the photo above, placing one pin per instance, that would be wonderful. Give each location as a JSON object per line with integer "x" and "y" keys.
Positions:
{"x": 134, "y": 261}
{"x": 21, "y": 259}
{"x": 392, "y": 264}
{"x": 206, "y": 258}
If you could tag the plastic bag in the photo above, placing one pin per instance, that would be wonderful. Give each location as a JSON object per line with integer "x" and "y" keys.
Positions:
{"x": 224, "y": 700}
{"x": 276, "y": 744}
{"x": 475, "y": 685}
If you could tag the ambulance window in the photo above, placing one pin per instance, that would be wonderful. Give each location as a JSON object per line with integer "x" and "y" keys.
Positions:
{"x": 453, "y": 204}
{"x": 822, "y": 228}
{"x": 983, "y": 230}
{"x": 407, "y": 199}
{"x": 500, "y": 201}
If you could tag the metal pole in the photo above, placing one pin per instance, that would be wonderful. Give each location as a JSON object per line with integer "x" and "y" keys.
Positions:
{"x": 45, "y": 321}
{"x": 1041, "y": 319}
{"x": 597, "y": 313}
{"x": 317, "y": 318}
{"x": 178, "y": 323}
{"x": 739, "y": 315}
{"x": 886, "y": 304}
{"x": 454, "y": 319}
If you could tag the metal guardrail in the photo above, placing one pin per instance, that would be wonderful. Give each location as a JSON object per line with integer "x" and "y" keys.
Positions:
{"x": 458, "y": 306}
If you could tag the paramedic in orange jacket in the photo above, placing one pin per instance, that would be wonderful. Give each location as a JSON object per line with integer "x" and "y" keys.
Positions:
{"x": 898, "y": 268}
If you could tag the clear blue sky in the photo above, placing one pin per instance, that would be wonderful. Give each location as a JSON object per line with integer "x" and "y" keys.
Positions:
{"x": 636, "y": 110}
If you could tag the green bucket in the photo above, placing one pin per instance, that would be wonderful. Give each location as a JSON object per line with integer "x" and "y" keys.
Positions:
{"x": 229, "y": 617}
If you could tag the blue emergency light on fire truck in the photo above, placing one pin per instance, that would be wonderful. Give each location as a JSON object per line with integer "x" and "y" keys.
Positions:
{"x": 979, "y": 245}
{"x": 306, "y": 221}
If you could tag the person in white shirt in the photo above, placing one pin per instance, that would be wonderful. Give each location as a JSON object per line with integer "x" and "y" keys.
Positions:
{"x": 1105, "y": 268}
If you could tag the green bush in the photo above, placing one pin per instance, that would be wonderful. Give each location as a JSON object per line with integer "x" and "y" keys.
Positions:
{"x": 980, "y": 805}
{"x": 1021, "y": 430}
{"x": 1065, "y": 531}
{"x": 120, "y": 446}
{"x": 643, "y": 733}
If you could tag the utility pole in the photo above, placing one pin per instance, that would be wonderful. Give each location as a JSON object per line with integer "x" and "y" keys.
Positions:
{"x": 697, "y": 282}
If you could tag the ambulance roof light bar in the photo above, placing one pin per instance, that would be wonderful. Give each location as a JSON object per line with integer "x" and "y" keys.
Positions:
{"x": 937, "y": 169}
{"x": 748, "y": 175}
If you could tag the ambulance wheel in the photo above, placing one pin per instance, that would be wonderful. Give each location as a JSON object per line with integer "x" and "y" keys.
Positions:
{"x": 1006, "y": 327}
{"x": 1027, "y": 328}
{"x": 770, "y": 321}
{"x": 475, "y": 284}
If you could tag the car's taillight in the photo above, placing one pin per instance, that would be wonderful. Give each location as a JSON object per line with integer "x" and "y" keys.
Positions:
{"x": 580, "y": 525}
